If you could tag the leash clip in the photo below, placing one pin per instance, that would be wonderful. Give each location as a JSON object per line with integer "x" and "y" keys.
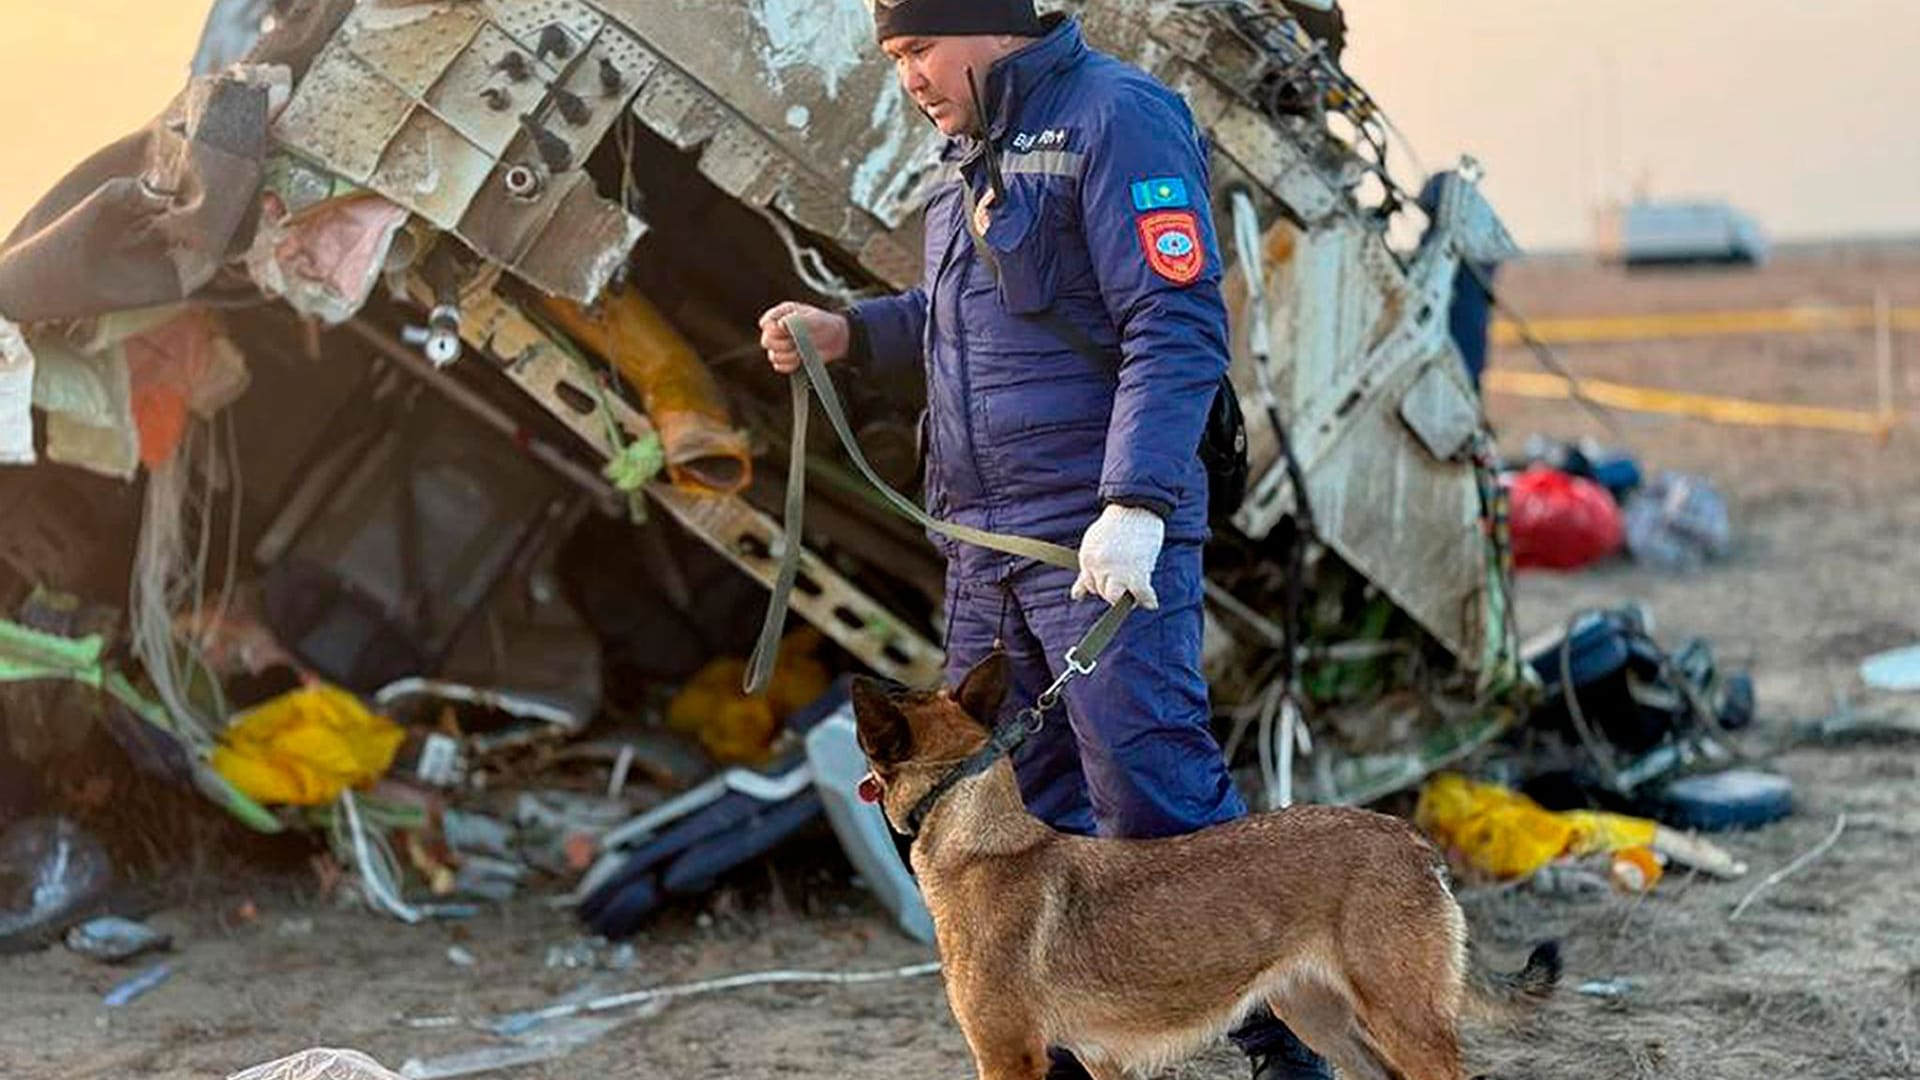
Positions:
{"x": 1051, "y": 695}
{"x": 1076, "y": 667}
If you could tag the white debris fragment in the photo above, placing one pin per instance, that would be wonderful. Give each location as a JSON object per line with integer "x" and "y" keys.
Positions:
{"x": 16, "y": 396}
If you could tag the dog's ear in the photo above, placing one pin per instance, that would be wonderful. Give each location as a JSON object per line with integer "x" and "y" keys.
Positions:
{"x": 984, "y": 689}
{"x": 885, "y": 735}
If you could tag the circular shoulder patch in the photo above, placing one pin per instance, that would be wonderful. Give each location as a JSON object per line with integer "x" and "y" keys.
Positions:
{"x": 1171, "y": 240}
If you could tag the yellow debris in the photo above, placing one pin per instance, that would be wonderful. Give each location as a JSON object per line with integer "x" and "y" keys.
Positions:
{"x": 306, "y": 746}
{"x": 1504, "y": 835}
{"x": 735, "y": 728}
{"x": 679, "y": 394}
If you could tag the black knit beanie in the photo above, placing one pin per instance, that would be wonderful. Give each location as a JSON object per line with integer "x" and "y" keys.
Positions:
{"x": 936, "y": 18}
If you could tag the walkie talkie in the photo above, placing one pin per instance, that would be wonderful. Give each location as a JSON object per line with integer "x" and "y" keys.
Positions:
{"x": 996, "y": 183}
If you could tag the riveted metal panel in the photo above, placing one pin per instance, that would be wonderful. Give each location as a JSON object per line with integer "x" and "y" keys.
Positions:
{"x": 478, "y": 96}
{"x": 344, "y": 114}
{"x": 432, "y": 169}
{"x": 411, "y": 47}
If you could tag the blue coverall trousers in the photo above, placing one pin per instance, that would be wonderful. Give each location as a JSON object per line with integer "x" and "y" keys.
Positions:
{"x": 1132, "y": 754}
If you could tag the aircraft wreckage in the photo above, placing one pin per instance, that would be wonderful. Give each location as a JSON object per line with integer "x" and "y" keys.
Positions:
{"x": 515, "y": 250}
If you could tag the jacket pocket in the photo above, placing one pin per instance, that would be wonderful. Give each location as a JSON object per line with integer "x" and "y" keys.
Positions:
{"x": 1020, "y": 242}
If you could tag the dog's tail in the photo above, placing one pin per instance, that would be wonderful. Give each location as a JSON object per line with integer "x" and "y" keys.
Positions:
{"x": 1501, "y": 995}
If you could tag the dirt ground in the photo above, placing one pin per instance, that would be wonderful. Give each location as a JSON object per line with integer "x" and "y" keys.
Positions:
{"x": 1819, "y": 978}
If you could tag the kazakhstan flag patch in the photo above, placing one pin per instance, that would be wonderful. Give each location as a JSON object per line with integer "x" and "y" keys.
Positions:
{"x": 1160, "y": 193}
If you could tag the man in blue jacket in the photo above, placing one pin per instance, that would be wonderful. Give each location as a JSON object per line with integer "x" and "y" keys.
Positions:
{"x": 1084, "y": 186}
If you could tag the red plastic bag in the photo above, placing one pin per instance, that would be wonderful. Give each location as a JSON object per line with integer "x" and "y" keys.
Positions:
{"x": 1561, "y": 522}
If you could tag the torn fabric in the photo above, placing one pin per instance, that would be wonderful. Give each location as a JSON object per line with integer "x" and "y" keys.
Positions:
{"x": 184, "y": 367}
{"x": 81, "y": 384}
{"x": 149, "y": 219}
{"x": 326, "y": 260}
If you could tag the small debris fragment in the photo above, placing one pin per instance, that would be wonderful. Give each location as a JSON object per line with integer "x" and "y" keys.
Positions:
{"x": 573, "y": 108}
{"x": 611, "y": 80}
{"x": 114, "y": 939}
{"x": 516, "y": 66}
{"x": 127, "y": 991}
{"x": 1605, "y": 988}
{"x": 554, "y": 42}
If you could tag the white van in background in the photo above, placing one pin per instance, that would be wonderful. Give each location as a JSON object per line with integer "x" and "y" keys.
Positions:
{"x": 1645, "y": 233}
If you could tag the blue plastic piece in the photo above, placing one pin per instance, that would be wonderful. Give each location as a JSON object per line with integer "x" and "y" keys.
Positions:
{"x": 685, "y": 857}
{"x": 1598, "y": 650}
{"x": 1618, "y": 472}
{"x": 1735, "y": 799}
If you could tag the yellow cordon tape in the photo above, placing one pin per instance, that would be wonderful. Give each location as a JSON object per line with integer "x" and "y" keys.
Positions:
{"x": 1693, "y": 324}
{"x": 1719, "y": 410}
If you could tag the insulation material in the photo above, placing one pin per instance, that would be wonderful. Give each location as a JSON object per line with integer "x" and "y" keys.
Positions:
{"x": 16, "y": 396}
{"x": 81, "y": 383}
{"x": 319, "y": 1064}
{"x": 704, "y": 449}
{"x": 326, "y": 260}
{"x": 100, "y": 436}
{"x": 180, "y": 368}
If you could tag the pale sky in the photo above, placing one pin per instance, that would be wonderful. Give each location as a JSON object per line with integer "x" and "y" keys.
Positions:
{"x": 1806, "y": 113}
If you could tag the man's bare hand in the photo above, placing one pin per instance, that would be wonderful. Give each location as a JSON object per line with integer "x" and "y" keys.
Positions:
{"x": 830, "y": 332}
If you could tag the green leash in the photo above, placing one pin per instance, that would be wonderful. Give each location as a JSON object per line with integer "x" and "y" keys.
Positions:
{"x": 812, "y": 376}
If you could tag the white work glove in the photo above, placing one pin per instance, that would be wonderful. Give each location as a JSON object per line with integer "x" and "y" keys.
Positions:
{"x": 1118, "y": 554}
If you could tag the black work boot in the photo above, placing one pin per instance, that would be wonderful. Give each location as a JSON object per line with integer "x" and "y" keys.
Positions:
{"x": 1294, "y": 1062}
{"x": 1066, "y": 1067}
{"x": 1276, "y": 1052}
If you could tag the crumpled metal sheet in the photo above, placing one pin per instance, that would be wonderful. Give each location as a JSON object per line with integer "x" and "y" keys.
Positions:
{"x": 792, "y": 107}
{"x": 1356, "y": 348}
{"x": 1194, "y": 52}
{"x": 232, "y": 28}
{"x": 479, "y": 117}
{"x": 151, "y": 218}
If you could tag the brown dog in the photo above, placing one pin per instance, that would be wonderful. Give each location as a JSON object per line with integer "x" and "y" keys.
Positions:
{"x": 1135, "y": 953}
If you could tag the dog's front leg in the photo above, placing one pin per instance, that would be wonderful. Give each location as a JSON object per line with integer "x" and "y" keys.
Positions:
{"x": 1018, "y": 1066}
{"x": 1007, "y": 1062}
{"x": 1005, "y": 1046}
{"x": 1020, "y": 1057}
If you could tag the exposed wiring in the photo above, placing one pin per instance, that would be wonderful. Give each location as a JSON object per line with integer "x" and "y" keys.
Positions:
{"x": 370, "y": 853}
{"x": 809, "y": 265}
{"x": 173, "y": 555}
{"x": 518, "y": 1022}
